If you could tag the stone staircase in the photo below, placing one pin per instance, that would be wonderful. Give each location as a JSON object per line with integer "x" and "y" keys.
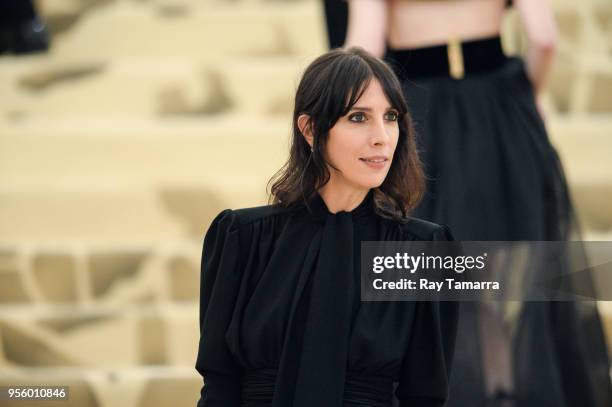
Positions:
{"x": 148, "y": 117}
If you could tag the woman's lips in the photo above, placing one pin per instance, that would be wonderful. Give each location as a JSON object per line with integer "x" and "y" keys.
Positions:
{"x": 376, "y": 162}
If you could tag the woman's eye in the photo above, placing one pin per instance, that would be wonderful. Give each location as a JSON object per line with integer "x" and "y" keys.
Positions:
{"x": 391, "y": 116}
{"x": 357, "y": 117}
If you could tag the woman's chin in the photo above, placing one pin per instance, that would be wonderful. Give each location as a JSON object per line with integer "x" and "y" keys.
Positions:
{"x": 371, "y": 184}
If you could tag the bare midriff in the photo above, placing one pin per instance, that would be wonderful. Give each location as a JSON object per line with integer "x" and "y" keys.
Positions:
{"x": 418, "y": 23}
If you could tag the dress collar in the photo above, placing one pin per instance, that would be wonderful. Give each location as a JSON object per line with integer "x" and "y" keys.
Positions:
{"x": 319, "y": 209}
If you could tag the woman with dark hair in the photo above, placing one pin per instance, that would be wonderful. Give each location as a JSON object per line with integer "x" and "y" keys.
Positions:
{"x": 281, "y": 320}
{"x": 492, "y": 175}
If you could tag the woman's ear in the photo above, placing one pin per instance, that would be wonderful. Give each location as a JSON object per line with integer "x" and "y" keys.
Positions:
{"x": 305, "y": 126}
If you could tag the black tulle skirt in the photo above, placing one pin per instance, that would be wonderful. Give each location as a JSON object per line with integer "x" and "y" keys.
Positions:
{"x": 493, "y": 175}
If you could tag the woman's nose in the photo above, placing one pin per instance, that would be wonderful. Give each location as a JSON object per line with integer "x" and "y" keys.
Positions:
{"x": 380, "y": 132}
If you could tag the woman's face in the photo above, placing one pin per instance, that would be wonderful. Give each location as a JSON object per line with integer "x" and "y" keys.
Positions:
{"x": 361, "y": 143}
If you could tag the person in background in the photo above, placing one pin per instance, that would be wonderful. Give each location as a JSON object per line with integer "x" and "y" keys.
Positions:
{"x": 336, "y": 18}
{"x": 493, "y": 175}
{"x": 21, "y": 30}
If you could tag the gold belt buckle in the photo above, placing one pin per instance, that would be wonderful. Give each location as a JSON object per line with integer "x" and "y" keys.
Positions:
{"x": 455, "y": 58}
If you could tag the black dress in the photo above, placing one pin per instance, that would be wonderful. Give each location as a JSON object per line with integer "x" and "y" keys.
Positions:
{"x": 336, "y": 20}
{"x": 493, "y": 175}
{"x": 282, "y": 323}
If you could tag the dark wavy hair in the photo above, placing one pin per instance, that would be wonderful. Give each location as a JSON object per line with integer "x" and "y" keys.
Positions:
{"x": 330, "y": 86}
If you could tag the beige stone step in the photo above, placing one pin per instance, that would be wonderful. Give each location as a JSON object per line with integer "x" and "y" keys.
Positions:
{"x": 142, "y": 29}
{"x": 79, "y": 87}
{"x": 585, "y": 147}
{"x": 102, "y": 272}
{"x": 143, "y": 66}
{"x": 87, "y": 214}
{"x": 123, "y": 212}
{"x": 99, "y": 336}
{"x": 131, "y": 88}
{"x": 581, "y": 84}
{"x": 151, "y": 151}
{"x": 131, "y": 180}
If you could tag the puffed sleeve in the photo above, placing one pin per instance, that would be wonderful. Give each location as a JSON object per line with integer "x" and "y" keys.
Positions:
{"x": 219, "y": 282}
{"x": 426, "y": 367}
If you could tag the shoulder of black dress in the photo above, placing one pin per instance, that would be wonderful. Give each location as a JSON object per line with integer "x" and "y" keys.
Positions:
{"x": 424, "y": 230}
{"x": 245, "y": 216}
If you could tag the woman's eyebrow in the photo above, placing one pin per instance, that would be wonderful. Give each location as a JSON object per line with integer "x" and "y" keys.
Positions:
{"x": 369, "y": 109}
